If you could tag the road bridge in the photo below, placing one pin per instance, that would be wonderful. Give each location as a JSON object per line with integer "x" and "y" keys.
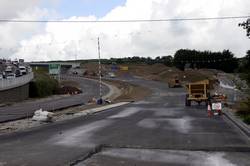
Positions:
{"x": 15, "y": 89}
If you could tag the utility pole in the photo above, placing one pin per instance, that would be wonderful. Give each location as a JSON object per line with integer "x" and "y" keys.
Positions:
{"x": 100, "y": 73}
{"x": 76, "y": 52}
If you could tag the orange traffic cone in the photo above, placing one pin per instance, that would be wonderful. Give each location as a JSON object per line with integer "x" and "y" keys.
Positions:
{"x": 209, "y": 111}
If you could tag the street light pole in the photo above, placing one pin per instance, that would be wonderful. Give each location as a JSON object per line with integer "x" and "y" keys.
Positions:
{"x": 76, "y": 51}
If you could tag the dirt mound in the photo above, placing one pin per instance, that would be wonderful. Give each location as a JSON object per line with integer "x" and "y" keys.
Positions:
{"x": 92, "y": 69}
{"x": 157, "y": 72}
{"x": 69, "y": 90}
{"x": 91, "y": 66}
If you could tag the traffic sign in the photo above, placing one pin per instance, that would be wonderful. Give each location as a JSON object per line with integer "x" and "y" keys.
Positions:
{"x": 54, "y": 69}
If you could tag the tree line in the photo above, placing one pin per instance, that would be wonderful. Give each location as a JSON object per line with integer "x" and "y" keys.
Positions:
{"x": 224, "y": 60}
{"x": 185, "y": 58}
{"x": 244, "y": 66}
{"x": 167, "y": 60}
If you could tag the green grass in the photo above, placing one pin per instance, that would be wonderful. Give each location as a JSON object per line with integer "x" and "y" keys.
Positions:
{"x": 244, "y": 111}
{"x": 246, "y": 119}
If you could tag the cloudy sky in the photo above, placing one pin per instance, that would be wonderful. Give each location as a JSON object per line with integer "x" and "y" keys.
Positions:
{"x": 63, "y": 41}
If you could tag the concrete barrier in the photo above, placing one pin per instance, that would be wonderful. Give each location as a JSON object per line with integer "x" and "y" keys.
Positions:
{"x": 6, "y": 84}
{"x": 16, "y": 94}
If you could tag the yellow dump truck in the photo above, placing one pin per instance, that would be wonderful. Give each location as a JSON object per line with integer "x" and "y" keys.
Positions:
{"x": 174, "y": 82}
{"x": 197, "y": 91}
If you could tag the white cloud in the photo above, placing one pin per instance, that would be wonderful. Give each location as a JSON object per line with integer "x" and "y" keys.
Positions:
{"x": 11, "y": 8}
{"x": 12, "y": 33}
{"x": 68, "y": 40}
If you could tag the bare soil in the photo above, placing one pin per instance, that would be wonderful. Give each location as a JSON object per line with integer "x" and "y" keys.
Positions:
{"x": 156, "y": 72}
{"x": 130, "y": 92}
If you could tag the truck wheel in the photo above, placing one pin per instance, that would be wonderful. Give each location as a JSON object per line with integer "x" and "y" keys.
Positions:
{"x": 206, "y": 102}
{"x": 188, "y": 102}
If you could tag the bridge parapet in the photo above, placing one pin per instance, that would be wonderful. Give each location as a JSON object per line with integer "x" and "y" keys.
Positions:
{"x": 6, "y": 84}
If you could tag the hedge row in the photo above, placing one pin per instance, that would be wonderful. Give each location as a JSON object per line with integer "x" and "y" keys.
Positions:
{"x": 244, "y": 111}
{"x": 43, "y": 85}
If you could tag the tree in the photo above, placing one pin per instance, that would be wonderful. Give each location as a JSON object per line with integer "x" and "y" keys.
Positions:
{"x": 205, "y": 59}
{"x": 248, "y": 59}
{"x": 246, "y": 66}
{"x": 246, "y": 26}
{"x": 167, "y": 60}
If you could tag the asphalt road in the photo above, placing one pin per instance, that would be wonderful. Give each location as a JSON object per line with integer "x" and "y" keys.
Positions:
{"x": 21, "y": 110}
{"x": 159, "y": 130}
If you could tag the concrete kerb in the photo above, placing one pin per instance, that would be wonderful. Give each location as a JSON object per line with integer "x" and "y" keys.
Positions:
{"x": 100, "y": 109}
{"x": 237, "y": 122}
{"x": 113, "y": 93}
{"x": 81, "y": 114}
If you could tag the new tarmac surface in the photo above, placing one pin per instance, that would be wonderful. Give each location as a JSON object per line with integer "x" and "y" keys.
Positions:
{"x": 159, "y": 130}
{"x": 21, "y": 110}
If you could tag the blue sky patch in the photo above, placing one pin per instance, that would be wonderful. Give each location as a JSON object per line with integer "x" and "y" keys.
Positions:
{"x": 99, "y": 8}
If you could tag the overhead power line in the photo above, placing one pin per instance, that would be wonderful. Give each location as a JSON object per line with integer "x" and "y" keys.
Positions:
{"x": 124, "y": 21}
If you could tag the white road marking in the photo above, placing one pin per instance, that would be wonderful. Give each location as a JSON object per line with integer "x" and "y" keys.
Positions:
{"x": 98, "y": 109}
{"x": 170, "y": 111}
{"x": 147, "y": 123}
{"x": 164, "y": 94}
{"x": 126, "y": 112}
{"x": 80, "y": 136}
{"x": 142, "y": 102}
{"x": 182, "y": 125}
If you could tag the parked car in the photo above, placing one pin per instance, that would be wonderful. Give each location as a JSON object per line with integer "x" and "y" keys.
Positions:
{"x": 18, "y": 73}
{"x": 10, "y": 76}
{"x": 1, "y": 76}
{"x": 8, "y": 69}
{"x": 22, "y": 70}
{"x": 15, "y": 63}
{"x": 111, "y": 75}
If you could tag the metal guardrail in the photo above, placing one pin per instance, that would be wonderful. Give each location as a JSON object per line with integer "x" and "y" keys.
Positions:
{"x": 6, "y": 84}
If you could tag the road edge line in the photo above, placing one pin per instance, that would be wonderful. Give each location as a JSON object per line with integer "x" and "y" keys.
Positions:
{"x": 100, "y": 109}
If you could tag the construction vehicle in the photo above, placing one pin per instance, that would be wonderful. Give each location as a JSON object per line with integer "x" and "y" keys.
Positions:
{"x": 198, "y": 92}
{"x": 174, "y": 82}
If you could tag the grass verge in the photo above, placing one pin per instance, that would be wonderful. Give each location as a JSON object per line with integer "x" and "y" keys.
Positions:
{"x": 244, "y": 111}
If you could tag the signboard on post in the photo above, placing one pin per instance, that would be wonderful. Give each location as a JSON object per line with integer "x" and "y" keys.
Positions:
{"x": 124, "y": 68}
{"x": 216, "y": 106}
{"x": 54, "y": 69}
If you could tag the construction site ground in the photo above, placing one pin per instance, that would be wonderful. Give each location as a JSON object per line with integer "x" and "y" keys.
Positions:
{"x": 121, "y": 92}
{"x": 125, "y": 91}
